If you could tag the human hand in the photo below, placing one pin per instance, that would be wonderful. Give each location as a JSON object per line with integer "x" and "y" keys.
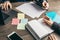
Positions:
{"x": 45, "y": 5}
{"x": 47, "y": 21}
{"x": 52, "y": 37}
{"x": 6, "y": 5}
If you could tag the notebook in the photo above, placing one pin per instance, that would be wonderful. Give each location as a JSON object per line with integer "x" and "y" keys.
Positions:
{"x": 31, "y": 9}
{"x": 38, "y": 29}
{"x": 53, "y": 16}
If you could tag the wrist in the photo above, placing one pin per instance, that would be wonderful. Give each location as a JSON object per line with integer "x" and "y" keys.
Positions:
{"x": 51, "y": 23}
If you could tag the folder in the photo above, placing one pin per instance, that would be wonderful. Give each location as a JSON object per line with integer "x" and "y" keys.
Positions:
{"x": 53, "y": 16}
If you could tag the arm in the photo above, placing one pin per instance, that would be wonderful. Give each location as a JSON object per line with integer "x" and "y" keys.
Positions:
{"x": 56, "y": 27}
{"x": 42, "y": 3}
{"x": 5, "y": 5}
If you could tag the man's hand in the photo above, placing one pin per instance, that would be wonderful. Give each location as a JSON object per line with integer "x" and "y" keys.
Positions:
{"x": 45, "y": 5}
{"x": 47, "y": 21}
{"x": 6, "y": 5}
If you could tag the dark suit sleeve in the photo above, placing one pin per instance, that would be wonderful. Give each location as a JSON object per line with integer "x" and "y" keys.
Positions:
{"x": 56, "y": 27}
{"x": 20, "y": 0}
{"x": 1, "y": 1}
{"x": 40, "y": 1}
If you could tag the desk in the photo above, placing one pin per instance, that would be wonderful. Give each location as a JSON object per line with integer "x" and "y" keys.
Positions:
{"x": 8, "y": 28}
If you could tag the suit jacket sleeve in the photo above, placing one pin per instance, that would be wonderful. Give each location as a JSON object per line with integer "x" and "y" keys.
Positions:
{"x": 56, "y": 27}
{"x": 1, "y": 1}
{"x": 40, "y": 1}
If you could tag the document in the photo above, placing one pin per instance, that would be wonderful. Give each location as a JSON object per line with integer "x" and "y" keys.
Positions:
{"x": 21, "y": 16}
{"x": 39, "y": 28}
{"x": 15, "y": 21}
{"x": 44, "y": 25}
{"x": 24, "y": 21}
{"x": 21, "y": 26}
{"x": 31, "y": 9}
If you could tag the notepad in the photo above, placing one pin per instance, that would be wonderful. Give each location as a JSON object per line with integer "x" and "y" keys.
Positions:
{"x": 38, "y": 29}
{"x": 21, "y": 26}
{"x": 53, "y": 16}
{"x": 15, "y": 21}
{"x": 24, "y": 21}
{"x": 20, "y": 16}
{"x": 31, "y": 9}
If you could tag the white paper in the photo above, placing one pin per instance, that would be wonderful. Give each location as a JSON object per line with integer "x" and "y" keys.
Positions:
{"x": 44, "y": 25}
{"x": 31, "y": 9}
{"x": 38, "y": 28}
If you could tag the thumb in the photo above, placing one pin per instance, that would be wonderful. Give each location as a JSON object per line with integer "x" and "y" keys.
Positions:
{"x": 47, "y": 21}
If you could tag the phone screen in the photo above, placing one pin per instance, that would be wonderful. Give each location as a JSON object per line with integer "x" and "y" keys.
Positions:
{"x": 15, "y": 37}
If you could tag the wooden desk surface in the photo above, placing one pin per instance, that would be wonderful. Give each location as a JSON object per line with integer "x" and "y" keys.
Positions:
{"x": 8, "y": 28}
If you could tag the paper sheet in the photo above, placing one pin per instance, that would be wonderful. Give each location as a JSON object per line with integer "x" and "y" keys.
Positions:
{"x": 21, "y": 26}
{"x": 39, "y": 28}
{"x": 15, "y": 21}
{"x": 44, "y": 25}
{"x": 31, "y": 9}
{"x": 24, "y": 21}
{"x": 21, "y": 16}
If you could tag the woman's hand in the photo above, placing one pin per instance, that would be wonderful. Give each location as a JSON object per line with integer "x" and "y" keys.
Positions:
{"x": 6, "y": 5}
{"x": 47, "y": 21}
{"x": 45, "y": 5}
{"x": 52, "y": 37}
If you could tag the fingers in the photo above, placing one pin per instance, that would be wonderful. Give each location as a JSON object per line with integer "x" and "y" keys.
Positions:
{"x": 52, "y": 37}
{"x": 45, "y": 5}
{"x": 48, "y": 22}
{"x": 45, "y": 17}
{"x": 6, "y": 6}
{"x": 10, "y": 6}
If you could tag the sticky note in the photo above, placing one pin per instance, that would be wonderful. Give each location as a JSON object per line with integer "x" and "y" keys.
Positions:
{"x": 24, "y": 21}
{"x": 15, "y": 21}
{"x": 20, "y": 16}
{"x": 21, "y": 26}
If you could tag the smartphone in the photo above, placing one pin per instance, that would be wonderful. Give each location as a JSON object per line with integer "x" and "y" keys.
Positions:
{"x": 14, "y": 36}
